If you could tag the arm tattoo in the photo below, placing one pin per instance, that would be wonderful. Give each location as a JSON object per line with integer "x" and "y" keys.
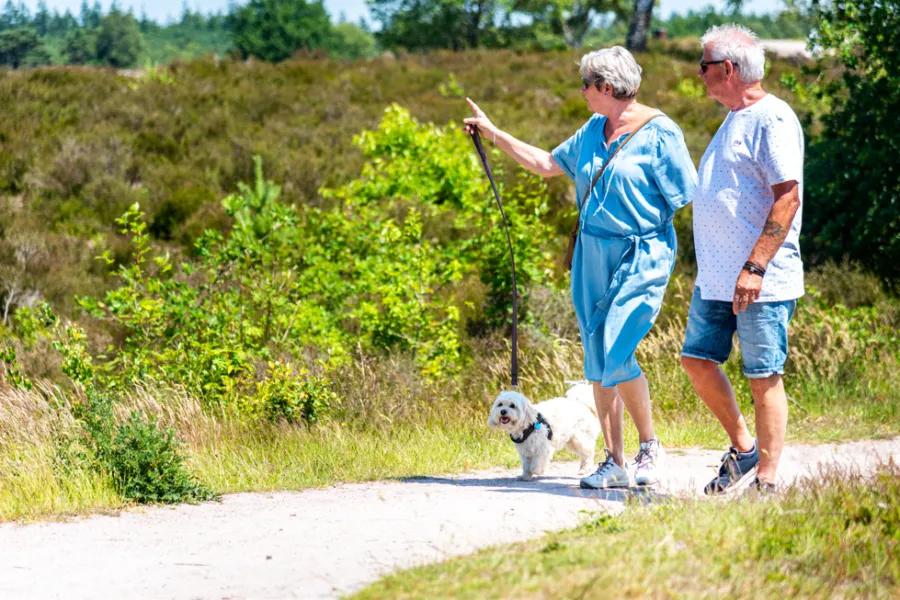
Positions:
{"x": 773, "y": 230}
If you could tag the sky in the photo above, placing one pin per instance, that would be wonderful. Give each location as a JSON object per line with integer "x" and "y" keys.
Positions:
{"x": 163, "y": 10}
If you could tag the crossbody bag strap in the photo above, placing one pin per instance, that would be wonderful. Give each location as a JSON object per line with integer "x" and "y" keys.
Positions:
{"x": 612, "y": 156}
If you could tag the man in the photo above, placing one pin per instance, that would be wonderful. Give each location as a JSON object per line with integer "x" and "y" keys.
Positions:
{"x": 746, "y": 231}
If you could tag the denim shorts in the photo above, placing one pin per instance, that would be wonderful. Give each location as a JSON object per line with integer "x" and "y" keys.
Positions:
{"x": 762, "y": 331}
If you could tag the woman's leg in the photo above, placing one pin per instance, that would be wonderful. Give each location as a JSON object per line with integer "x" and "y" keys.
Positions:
{"x": 610, "y": 409}
{"x": 636, "y": 396}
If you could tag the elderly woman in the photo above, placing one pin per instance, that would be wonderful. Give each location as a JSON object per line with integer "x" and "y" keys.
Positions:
{"x": 626, "y": 244}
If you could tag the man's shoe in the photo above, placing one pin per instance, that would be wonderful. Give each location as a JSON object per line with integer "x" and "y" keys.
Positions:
{"x": 608, "y": 475}
{"x": 649, "y": 463}
{"x": 735, "y": 469}
{"x": 759, "y": 489}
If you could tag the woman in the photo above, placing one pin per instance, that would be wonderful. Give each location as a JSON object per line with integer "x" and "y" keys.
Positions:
{"x": 626, "y": 245}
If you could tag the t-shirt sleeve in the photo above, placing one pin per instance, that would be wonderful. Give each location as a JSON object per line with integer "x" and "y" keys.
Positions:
{"x": 673, "y": 168}
{"x": 566, "y": 154}
{"x": 781, "y": 150}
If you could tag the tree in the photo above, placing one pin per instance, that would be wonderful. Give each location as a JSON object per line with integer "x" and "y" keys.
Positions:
{"x": 81, "y": 46}
{"x": 639, "y": 28}
{"x": 42, "y": 19}
{"x": 420, "y": 24}
{"x": 852, "y": 179}
{"x": 274, "y": 30}
{"x": 119, "y": 40}
{"x": 571, "y": 18}
{"x": 15, "y": 44}
{"x": 352, "y": 41}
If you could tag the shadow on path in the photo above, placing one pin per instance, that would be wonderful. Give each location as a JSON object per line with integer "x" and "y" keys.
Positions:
{"x": 547, "y": 485}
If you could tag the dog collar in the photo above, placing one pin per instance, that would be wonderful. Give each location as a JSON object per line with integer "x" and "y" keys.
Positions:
{"x": 541, "y": 422}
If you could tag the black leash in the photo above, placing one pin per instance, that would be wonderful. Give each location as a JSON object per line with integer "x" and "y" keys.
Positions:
{"x": 515, "y": 316}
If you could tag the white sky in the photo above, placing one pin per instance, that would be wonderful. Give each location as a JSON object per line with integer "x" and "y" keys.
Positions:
{"x": 163, "y": 10}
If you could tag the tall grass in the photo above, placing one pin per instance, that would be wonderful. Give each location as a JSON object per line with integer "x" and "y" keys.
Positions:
{"x": 390, "y": 421}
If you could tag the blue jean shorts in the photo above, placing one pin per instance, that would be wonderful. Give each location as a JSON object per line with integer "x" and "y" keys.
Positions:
{"x": 762, "y": 331}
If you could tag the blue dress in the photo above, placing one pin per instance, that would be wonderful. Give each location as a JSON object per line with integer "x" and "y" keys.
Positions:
{"x": 626, "y": 248}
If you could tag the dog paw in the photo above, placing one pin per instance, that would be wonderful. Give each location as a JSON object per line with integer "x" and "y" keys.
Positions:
{"x": 524, "y": 477}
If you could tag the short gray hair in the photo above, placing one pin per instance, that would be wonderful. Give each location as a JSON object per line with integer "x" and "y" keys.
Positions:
{"x": 739, "y": 45}
{"x": 615, "y": 66}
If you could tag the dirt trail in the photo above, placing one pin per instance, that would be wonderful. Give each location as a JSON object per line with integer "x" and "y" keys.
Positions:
{"x": 325, "y": 543}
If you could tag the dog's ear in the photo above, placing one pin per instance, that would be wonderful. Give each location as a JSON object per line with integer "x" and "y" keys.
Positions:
{"x": 492, "y": 416}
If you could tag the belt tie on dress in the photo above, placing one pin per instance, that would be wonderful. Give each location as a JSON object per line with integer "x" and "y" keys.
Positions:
{"x": 622, "y": 270}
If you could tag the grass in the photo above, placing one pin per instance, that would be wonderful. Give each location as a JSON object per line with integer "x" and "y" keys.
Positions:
{"x": 830, "y": 537}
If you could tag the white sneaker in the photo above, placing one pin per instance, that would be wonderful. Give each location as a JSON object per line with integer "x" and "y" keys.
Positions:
{"x": 649, "y": 463}
{"x": 607, "y": 475}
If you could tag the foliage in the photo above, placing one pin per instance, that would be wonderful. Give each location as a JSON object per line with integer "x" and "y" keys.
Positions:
{"x": 16, "y": 45}
{"x": 293, "y": 397}
{"x": 274, "y": 30}
{"x": 119, "y": 40}
{"x": 81, "y": 46}
{"x": 420, "y": 24}
{"x": 572, "y": 18}
{"x": 856, "y": 211}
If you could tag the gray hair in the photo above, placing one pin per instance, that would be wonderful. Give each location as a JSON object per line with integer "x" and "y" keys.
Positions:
{"x": 615, "y": 66}
{"x": 739, "y": 45}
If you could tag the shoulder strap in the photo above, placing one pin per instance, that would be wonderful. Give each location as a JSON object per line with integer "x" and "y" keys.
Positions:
{"x": 613, "y": 155}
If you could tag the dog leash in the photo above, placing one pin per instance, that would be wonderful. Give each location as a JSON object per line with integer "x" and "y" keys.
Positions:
{"x": 514, "y": 371}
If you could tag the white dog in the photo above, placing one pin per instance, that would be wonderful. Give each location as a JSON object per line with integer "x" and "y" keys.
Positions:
{"x": 541, "y": 429}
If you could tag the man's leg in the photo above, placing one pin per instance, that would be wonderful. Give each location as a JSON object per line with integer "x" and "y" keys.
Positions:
{"x": 771, "y": 407}
{"x": 713, "y": 387}
{"x": 610, "y": 409}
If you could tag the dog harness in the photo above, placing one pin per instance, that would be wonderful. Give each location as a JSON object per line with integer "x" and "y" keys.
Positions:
{"x": 536, "y": 425}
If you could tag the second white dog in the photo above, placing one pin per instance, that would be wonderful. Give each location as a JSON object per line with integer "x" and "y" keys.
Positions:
{"x": 539, "y": 430}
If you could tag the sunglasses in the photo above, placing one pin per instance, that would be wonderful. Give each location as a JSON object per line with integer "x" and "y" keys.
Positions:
{"x": 586, "y": 83}
{"x": 705, "y": 64}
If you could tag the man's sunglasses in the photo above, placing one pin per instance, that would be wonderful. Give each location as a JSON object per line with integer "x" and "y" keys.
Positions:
{"x": 705, "y": 64}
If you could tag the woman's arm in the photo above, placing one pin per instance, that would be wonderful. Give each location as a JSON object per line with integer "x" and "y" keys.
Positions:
{"x": 534, "y": 159}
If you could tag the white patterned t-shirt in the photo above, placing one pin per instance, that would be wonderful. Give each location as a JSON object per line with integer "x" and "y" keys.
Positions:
{"x": 755, "y": 148}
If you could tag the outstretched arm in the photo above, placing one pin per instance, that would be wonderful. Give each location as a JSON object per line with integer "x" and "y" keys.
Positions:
{"x": 534, "y": 159}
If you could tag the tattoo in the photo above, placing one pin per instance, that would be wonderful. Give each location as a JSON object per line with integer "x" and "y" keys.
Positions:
{"x": 773, "y": 230}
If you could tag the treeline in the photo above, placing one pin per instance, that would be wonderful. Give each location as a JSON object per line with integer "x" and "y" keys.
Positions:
{"x": 274, "y": 30}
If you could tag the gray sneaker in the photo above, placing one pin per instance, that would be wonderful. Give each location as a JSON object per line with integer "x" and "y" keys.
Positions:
{"x": 607, "y": 475}
{"x": 649, "y": 463}
{"x": 759, "y": 489}
{"x": 735, "y": 469}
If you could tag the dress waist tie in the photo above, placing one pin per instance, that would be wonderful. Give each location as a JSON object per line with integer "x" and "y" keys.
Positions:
{"x": 622, "y": 270}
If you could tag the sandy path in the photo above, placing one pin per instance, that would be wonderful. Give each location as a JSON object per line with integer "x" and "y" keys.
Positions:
{"x": 327, "y": 542}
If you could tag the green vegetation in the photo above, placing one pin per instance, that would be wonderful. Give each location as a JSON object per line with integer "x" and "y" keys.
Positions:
{"x": 302, "y": 262}
{"x": 832, "y": 536}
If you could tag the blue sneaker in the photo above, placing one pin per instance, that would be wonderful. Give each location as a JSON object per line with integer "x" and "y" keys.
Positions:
{"x": 735, "y": 469}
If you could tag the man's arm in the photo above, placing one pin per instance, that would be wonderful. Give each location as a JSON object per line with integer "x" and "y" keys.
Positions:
{"x": 778, "y": 224}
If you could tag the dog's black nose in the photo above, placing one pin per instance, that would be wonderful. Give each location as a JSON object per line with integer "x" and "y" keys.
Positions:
{"x": 503, "y": 412}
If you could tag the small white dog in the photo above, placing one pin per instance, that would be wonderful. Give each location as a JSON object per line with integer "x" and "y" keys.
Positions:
{"x": 539, "y": 430}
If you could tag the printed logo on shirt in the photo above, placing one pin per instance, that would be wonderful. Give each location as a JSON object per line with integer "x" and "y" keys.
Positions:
{"x": 737, "y": 143}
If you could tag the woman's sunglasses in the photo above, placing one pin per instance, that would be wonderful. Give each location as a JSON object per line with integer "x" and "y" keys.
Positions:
{"x": 586, "y": 83}
{"x": 705, "y": 64}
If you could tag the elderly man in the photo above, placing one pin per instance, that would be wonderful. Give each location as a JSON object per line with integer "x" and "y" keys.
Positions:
{"x": 746, "y": 230}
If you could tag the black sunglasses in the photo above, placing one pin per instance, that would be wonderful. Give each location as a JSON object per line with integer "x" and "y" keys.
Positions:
{"x": 705, "y": 64}
{"x": 585, "y": 84}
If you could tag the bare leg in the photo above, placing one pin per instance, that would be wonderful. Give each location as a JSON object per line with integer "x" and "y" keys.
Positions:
{"x": 771, "y": 408}
{"x": 610, "y": 408}
{"x": 715, "y": 390}
{"x": 636, "y": 397}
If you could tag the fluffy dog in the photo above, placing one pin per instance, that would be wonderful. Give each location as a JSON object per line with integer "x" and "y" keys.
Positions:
{"x": 541, "y": 429}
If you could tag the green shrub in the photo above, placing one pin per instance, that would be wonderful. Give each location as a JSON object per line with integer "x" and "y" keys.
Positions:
{"x": 293, "y": 397}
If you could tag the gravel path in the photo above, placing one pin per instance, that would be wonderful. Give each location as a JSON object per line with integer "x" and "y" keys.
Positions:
{"x": 325, "y": 543}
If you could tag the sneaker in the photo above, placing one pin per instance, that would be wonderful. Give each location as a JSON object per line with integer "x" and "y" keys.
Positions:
{"x": 735, "y": 468}
{"x": 648, "y": 463}
{"x": 760, "y": 489}
{"x": 607, "y": 475}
